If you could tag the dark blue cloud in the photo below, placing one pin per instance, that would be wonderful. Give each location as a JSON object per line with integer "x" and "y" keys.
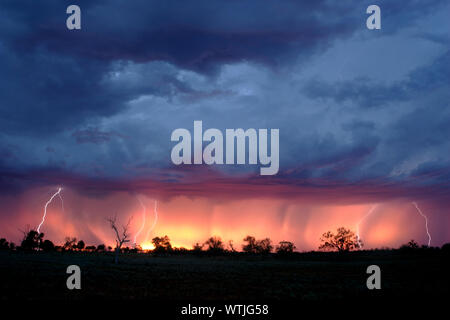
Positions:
{"x": 198, "y": 35}
{"x": 93, "y": 135}
{"x": 192, "y": 35}
{"x": 366, "y": 93}
{"x": 103, "y": 100}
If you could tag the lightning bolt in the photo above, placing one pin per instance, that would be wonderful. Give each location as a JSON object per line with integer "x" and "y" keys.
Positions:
{"x": 362, "y": 219}
{"x": 143, "y": 220}
{"x": 426, "y": 221}
{"x": 154, "y": 221}
{"x": 57, "y": 193}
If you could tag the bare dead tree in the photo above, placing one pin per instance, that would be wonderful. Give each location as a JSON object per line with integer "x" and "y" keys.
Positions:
{"x": 121, "y": 237}
{"x": 231, "y": 245}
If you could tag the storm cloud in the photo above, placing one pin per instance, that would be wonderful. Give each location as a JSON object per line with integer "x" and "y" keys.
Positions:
{"x": 105, "y": 99}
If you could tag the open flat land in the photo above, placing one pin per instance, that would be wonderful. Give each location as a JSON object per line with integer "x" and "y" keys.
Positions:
{"x": 238, "y": 277}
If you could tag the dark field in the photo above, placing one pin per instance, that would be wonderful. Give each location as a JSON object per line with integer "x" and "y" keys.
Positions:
{"x": 307, "y": 277}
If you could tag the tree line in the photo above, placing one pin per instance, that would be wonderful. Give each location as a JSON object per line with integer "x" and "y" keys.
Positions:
{"x": 34, "y": 241}
{"x": 343, "y": 240}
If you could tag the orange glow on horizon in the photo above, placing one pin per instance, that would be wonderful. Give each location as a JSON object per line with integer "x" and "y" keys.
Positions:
{"x": 188, "y": 220}
{"x": 147, "y": 246}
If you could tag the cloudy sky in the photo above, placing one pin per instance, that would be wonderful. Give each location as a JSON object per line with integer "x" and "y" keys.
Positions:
{"x": 363, "y": 117}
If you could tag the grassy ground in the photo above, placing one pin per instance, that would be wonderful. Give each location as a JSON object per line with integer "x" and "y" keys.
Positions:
{"x": 307, "y": 277}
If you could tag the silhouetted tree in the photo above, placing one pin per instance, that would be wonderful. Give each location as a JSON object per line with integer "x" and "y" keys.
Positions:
{"x": 180, "y": 250}
{"x": 121, "y": 238}
{"x": 263, "y": 246}
{"x": 197, "y": 247}
{"x": 162, "y": 244}
{"x": 80, "y": 245}
{"x": 12, "y": 246}
{"x": 230, "y": 244}
{"x": 446, "y": 248}
{"x": 90, "y": 248}
{"x": 70, "y": 244}
{"x": 344, "y": 240}
{"x": 4, "y": 245}
{"x": 250, "y": 247}
{"x": 102, "y": 248}
{"x": 285, "y": 247}
{"x": 411, "y": 245}
{"x": 32, "y": 240}
{"x": 47, "y": 246}
{"x": 127, "y": 249}
{"x": 215, "y": 245}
